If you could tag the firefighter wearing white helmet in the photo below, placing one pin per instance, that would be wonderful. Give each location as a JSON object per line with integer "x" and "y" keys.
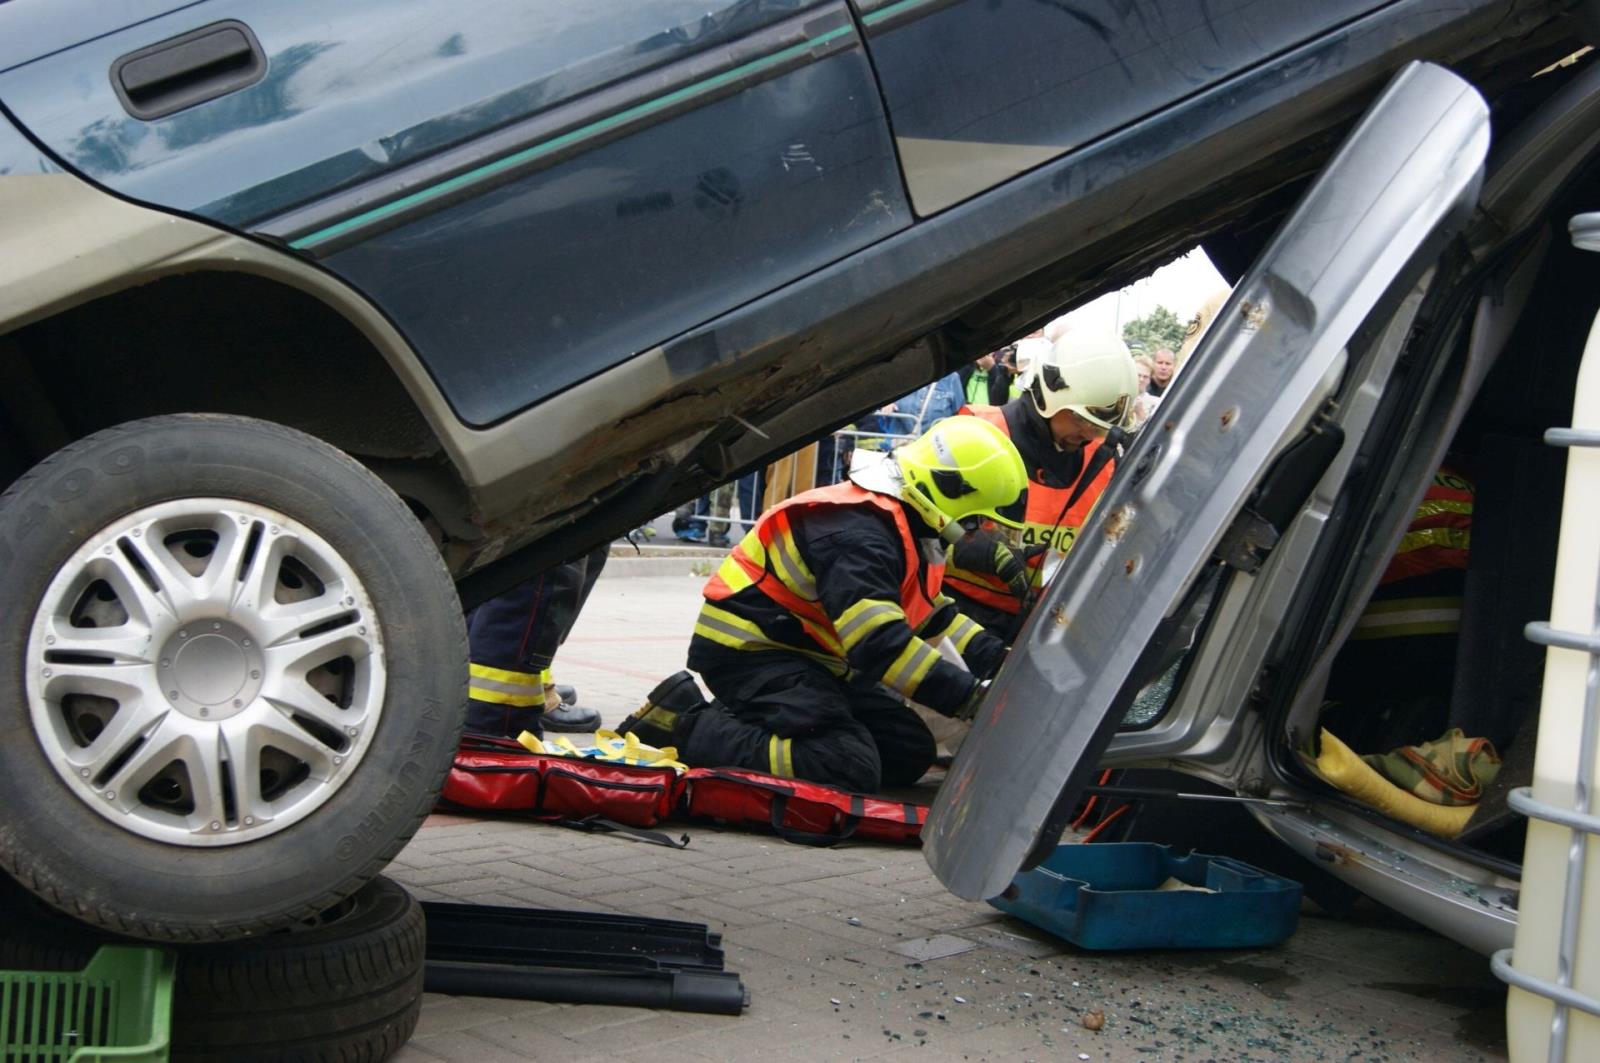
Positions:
{"x": 1073, "y": 396}
{"x": 826, "y": 614}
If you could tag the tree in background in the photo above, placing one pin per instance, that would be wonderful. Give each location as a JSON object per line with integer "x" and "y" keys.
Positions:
{"x": 1159, "y": 328}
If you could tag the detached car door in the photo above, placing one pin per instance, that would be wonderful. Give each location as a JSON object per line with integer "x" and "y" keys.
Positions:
{"x": 533, "y": 190}
{"x": 1233, "y": 453}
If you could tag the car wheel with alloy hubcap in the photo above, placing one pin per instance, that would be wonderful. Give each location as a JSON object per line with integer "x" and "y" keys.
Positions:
{"x": 237, "y": 670}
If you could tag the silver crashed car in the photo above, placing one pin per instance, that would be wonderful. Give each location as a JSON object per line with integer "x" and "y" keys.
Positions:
{"x": 1422, "y": 300}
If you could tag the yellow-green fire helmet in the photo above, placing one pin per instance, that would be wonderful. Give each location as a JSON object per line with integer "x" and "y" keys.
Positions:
{"x": 963, "y": 468}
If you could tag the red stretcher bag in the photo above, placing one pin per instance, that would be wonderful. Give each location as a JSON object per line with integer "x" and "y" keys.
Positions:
{"x": 799, "y": 811}
{"x": 499, "y": 775}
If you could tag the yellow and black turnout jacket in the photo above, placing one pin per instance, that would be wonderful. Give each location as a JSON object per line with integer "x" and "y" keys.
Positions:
{"x": 838, "y": 575}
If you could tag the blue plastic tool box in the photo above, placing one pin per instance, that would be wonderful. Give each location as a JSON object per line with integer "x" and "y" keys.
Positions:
{"x": 1110, "y": 896}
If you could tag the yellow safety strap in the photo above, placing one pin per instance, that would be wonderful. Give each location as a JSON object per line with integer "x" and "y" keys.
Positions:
{"x": 500, "y": 686}
{"x": 865, "y": 617}
{"x": 908, "y": 669}
{"x": 1399, "y": 617}
{"x": 608, "y": 746}
{"x": 780, "y": 752}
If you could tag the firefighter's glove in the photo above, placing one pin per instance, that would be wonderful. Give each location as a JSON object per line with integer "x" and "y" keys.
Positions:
{"x": 969, "y": 707}
{"x": 985, "y": 552}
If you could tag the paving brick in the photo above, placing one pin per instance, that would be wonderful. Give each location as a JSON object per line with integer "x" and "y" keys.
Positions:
{"x": 711, "y": 912}
{"x": 446, "y": 1014}
{"x": 579, "y": 1020}
{"x": 673, "y": 1053}
{"x": 498, "y": 1043}
{"x": 682, "y": 886}
{"x": 814, "y": 948}
{"x": 577, "y": 899}
{"x": 478, "y": 887}
{"x": 756, "y": 898}
{"x": 651, "y": 1028}
{"x": 893, "y": 875}
{"x": 635, "y": 862}
{"x": 789, "y": 871}
{"x": 714, "y": 880}
{"x": 870, "y": 931}
{"x": 429, "y": 876}
{"x": 739, "y": 866}
{"x": 837, "y": 889}
{"x": 415, "y": 857}
{"x": 498, "y": 853}
{"x": 572, "y": 868}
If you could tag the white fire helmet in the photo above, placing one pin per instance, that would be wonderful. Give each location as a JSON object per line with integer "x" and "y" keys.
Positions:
{"x": 1090, "y": 373}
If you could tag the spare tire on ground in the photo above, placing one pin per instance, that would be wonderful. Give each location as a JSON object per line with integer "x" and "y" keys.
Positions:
{"x": 343, "y": 987}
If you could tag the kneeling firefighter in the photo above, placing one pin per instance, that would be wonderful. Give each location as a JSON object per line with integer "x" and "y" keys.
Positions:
{"x": 831, "y": 594}
{"x": 1076, "y": 403}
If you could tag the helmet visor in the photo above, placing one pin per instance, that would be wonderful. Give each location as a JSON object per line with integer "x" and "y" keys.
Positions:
{"x": 1118, "y": 414}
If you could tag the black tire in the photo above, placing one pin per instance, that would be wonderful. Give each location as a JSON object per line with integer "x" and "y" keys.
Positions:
{"x": 70, "y": 851}
{"x": 343, "y": 988}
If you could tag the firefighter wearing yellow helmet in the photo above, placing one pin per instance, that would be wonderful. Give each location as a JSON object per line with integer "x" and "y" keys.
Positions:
{"x": 826, "y": 614}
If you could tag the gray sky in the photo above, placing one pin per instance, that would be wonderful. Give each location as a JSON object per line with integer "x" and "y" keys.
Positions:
{"x": 1181, "y": 286}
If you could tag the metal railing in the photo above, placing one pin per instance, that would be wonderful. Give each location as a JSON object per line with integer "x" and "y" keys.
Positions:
{"x": 894, "y": 428}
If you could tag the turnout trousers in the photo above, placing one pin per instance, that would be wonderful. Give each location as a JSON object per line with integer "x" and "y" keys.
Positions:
{"x": 786, "y": 715}
{"x": 512, "y": 640}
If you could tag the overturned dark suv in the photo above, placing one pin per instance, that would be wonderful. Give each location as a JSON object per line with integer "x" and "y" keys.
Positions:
{"x": 320, "y": 321}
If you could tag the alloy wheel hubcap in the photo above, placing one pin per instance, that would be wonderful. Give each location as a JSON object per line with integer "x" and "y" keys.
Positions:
{"x": 205, "y": 672}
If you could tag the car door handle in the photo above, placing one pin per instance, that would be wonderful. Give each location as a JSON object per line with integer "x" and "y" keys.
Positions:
{"x": 189, "y": 69}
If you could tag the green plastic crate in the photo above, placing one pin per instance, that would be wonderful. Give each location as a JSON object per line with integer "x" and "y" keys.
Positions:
{"x": 117, "y": 1008}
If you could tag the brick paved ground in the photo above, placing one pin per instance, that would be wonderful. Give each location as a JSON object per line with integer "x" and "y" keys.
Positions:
{"x": 857, "y": 952}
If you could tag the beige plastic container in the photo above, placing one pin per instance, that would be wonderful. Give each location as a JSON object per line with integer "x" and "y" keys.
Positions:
{"x": 1545, "y": 865}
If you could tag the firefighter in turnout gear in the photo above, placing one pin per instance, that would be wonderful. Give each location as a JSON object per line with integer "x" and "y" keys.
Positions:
{"x": 1078, "y": 394}
{"x": 1393, "y": 676}
{"x": 828, "y": 613}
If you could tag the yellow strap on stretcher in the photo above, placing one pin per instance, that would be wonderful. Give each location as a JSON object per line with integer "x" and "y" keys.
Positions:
{"x": 608, "y": 746}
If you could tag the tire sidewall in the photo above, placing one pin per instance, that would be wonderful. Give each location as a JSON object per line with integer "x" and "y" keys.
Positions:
{"x": 69, "y": 852}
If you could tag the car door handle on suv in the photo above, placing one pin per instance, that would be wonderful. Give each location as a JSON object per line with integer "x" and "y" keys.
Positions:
{"x": 189, "y": 69}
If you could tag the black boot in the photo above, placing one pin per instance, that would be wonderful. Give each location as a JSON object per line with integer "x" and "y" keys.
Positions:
{"x": 668, "y": 712}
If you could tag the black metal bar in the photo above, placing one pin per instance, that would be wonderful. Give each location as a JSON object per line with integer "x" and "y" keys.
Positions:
{"x": 578, "y": 957}
{"x": 1156, "y": 794}
{"x": 712, "y": 992}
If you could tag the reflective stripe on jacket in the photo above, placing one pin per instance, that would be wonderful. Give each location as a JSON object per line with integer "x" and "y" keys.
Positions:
{"x": 769, "y": 560}
{"x": 1440, "y": 535}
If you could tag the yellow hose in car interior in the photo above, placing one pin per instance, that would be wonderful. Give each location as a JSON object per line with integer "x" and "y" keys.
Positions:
{"x": 1344, "y": 768}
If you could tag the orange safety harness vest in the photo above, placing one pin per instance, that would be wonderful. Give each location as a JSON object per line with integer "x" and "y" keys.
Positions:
{"x": 1045, "y": 505}
{"x": 773, "y": 539}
